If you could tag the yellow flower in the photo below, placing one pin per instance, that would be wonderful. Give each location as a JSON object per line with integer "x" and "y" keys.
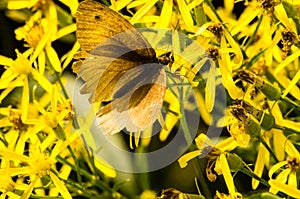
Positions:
{"x": 40, "y": 30}
{"x": 18, "y": 74}
{"x": 148, "y": 194}
{"x": 227, "y": 46}
{"x": 37, "y": 164}
{"x": 226, "y": 196}
{"x": 236, "y": 128}
{"x": 217, "y": 156}
{"x": 8, "y": 186}
{"x": 287, "y": 175}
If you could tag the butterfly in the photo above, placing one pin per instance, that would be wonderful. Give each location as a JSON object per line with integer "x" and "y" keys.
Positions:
{"x": 120, "y": 69}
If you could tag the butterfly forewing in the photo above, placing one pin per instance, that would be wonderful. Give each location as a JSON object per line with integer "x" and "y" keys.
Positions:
{"x": 96, "y": 23}
{"x": 114, "y": 46}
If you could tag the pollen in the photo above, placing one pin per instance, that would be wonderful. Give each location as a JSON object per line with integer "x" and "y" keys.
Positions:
{"x": 17, "y": 122}
{"x": 34, "y": 34}
{"x": 216, "y": 29}
{"x": 293, "y": 163}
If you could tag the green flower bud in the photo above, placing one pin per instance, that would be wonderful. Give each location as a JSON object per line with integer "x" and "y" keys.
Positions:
{"x": 269, "y": 90}
{"x": 234, "y": 161}
{"x": 252, "y": 128}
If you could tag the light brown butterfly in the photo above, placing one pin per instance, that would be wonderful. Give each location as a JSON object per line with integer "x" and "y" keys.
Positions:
{"x": 120, "y": 68}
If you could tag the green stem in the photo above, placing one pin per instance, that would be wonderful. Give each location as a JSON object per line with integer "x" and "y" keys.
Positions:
{"x": 286, "y": 129}
{"x": 253, "y": 175}
{"x": 183, "y": 121}
{"x": 261, "y": 180}
{"x": 212, "y": 7}
{"x": 61, "y": 85}
{"x": 76, "y": 186}
{"x": 255, "y": 32}
{"x": 291, "y": 102}
{"x": 189, "y": 139}
{"x": 45, "y": 197}
{"x": 83, "y": 190}
{"x": 76, "y": 163}
{"x": 268, "y": 148}
{"x": 86, "y": 174}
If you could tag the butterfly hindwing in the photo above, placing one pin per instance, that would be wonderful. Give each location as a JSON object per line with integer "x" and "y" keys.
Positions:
{"x": 116, "y": 115}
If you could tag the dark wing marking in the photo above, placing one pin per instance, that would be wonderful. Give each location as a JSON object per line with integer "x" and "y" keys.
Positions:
{"x": 116, "y": 115}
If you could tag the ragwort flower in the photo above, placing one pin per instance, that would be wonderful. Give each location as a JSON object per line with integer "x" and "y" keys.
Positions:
{"x": 286, "y": 181}
{"x": 217, "y": 157}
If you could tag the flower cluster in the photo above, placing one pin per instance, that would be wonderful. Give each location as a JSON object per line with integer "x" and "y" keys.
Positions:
{"x": 40, "y": 145}
{"x": 253, "y": 51}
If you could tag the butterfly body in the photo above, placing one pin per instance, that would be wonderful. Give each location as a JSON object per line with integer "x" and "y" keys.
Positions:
{"x": 119, "y": 67}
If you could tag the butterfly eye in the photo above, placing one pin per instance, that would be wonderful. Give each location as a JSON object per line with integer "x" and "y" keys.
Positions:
{"x": 166, "y": 59}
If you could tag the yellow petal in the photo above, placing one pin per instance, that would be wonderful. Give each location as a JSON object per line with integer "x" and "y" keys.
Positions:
{"x": 142, "y": 11}
{"x": 291, "y": 149}
{"x": 278, "y": 139}
{"x": 170, "y": 121}
{"x": 65, "y": 31}
{"x": 292, "y": 84}
{"x": 289, "y": 85}
{"x": 43, "y": 82}
{"x": 292, "y": 181}
{"x": 105, "y": 168}
{"x": 187, "y": 157}
{"x": 205, "y": 115}
{"x": 259, "y": 164}
{"x": 171, "y": 117}
{"x": 210, "y": 89}
{"x": 20, "y": 4}
{"x": 60, "y": 186}
{"x": 276, "y": 167}
{"x": 227, "y": 144}
{"x": 166, "y": 14}
{"x": 13, "y": 156}
{"x": 289, "y": 190}
{"x": 227, "y": 174}
{"x": 6, "y": 61}
{"x": 287, "y": 61}
{"x": 28, "y": 192}
{"x": 25, "y": 99}
{"x": 238, "y": 59}
{"x": 283, "y": 18}
{"x": 69, "y": 56}
{"x": 203, "y": 140}
{"x": 53, "y": 58}
{"x": 186, "y": 15}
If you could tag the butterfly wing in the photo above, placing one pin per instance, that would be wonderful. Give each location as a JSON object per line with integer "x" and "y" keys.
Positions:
{"x": 110, "y": 46}
{"x": 96, "y": 23}
{"x": 120, "y": 113}
{"x": 118, "y": 65}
